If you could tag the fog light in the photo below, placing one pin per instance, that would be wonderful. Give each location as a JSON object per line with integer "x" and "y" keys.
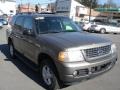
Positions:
{"x": 93, "y": 69}
{"x": 75, "y": 73}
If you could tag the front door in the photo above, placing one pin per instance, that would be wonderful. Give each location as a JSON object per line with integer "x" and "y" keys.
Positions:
{"x": 28, "y": 44}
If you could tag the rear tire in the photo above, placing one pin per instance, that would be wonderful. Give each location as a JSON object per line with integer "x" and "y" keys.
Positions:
{"x": 48, "y": 75}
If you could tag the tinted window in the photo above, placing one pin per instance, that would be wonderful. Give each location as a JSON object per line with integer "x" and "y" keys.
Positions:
{"x": 49, "y": 24}
{"x": 55, "y": 24}
{"x": 19, "y": 22}
{"x": 28, "y": 23}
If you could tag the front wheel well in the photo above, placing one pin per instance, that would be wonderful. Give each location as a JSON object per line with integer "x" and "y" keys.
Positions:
{"x": 47, "y": 57}
{"x": 102, "y": 29}
{"x": 44, "y": 56}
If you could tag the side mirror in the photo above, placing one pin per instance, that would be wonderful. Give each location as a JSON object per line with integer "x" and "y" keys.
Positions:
{"x": 27, "y": 32}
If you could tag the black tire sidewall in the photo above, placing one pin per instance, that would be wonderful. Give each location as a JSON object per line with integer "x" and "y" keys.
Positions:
{"x": 102, "y": 30}
{"x": 54, "y": 84}
{"x": 12, "y": 56}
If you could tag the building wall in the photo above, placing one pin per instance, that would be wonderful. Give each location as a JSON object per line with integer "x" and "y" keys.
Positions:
{"x": 26, "y": 8}
{"x": 101, "y": 15}
{"x": 78, "y": 11}
{"x": 71, "y": 8}
{"x": 63, "y": 5}
{"x": 31, "y": 8}
{"x": 7, "y": 7}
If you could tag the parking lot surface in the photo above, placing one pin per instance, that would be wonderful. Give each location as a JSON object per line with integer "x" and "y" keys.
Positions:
{"x": 15, "y": 75}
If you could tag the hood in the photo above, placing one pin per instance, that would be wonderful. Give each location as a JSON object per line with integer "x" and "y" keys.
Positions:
{"x": 72, "y": 39}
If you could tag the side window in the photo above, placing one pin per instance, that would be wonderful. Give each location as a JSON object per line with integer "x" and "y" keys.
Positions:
{"x": 28, "y": 23}
{"x": 19, "y": 22}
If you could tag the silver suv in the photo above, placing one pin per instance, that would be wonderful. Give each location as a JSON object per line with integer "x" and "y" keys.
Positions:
{"x": 54, "y": 46}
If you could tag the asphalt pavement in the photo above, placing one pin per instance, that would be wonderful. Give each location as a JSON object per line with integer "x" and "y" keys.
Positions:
{"x": 15, "y": 75}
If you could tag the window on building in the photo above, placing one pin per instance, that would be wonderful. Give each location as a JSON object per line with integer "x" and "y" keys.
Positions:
{"x": 11, "y": 11}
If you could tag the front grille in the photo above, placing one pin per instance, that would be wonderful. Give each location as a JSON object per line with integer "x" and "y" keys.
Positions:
{"x": 96, "y": 52}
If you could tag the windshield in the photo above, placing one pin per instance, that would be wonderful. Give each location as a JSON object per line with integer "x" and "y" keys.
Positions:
{"x": 55, "y": 25}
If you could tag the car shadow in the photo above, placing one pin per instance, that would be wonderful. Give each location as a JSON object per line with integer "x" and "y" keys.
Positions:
{"x": 21, "y": 66}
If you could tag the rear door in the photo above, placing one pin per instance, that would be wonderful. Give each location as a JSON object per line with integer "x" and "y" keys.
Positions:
{"x": 17, "y": 32}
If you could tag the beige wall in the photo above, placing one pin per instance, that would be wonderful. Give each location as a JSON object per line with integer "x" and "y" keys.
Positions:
{"x": 96, "y": 13}
{"x": 27, "y": 8}
{"x": 93, "y": 13}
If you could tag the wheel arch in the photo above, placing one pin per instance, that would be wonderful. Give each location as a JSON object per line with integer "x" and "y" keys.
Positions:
{"x": 102, "y": 28}
{"x": 43, "y": 56}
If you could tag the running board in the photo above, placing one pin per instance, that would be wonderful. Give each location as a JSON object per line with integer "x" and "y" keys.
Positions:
{"x": 27, "y": 61}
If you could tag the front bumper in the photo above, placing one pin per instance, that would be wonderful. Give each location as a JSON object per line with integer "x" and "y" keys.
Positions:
{"x": 85, "y": 70}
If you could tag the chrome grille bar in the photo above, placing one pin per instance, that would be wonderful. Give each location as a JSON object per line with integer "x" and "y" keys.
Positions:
{"x": 99, "y": 51}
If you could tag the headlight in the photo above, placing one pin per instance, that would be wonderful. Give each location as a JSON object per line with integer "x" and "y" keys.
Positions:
{"x": 113, "y": 48}
{"x": 70, "y": 56}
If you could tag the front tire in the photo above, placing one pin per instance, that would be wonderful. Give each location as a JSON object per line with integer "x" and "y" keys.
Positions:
{"x": 48, "y": 75}
{"x": 11, "y": 50}
{"x": 103, "y": 31}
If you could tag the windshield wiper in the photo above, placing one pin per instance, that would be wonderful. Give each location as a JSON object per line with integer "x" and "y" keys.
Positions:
{"x": 58, "y": 31}
{"x": 54, "y": 31}
{"x": 69, "y": 31}
{"x": 50, "y": 32}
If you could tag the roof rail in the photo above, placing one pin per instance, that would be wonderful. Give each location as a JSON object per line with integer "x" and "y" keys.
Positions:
{"x": 25, "y": 13}
{"x": 46, "y": 13}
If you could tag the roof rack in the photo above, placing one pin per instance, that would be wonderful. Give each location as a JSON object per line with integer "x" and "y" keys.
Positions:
{"x": 25, "y": 13}
{"x": 47, "y": 13}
